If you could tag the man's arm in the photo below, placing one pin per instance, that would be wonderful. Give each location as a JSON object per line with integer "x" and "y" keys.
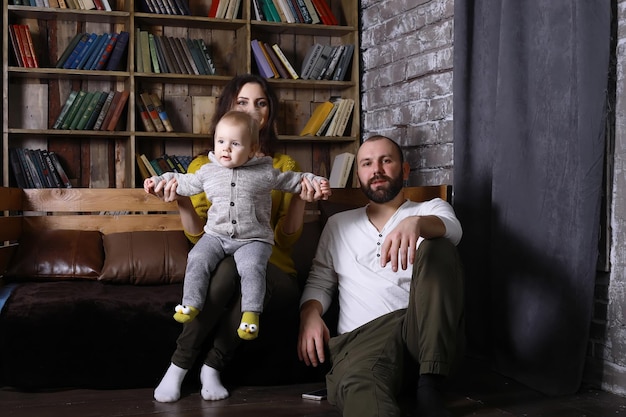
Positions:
{"x": 314, "y": 334}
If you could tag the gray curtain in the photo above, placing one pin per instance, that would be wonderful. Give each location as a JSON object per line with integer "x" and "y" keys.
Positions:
{"x": 530, "y": 79}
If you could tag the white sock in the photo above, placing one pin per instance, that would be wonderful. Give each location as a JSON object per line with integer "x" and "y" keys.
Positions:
{"x": 169, "y": 388}
{"x": 212, "y": 388}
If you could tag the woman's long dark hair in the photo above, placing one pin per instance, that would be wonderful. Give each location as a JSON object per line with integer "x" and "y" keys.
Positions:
{"x": 268, "y": 138}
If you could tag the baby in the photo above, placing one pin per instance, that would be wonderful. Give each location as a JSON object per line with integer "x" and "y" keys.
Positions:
{"x": 238, "y": 185}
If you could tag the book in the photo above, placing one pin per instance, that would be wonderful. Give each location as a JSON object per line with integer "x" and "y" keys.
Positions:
{"x": 81, "y": 110}
{"x": 179, "y": 165}
{"x": 213, "y": 8}
{"x": 144, "y": 116}
{"x": 344, "y": 63}
{"x": 197, "y": 56}
{"x": 342, "y": 116}
{"x": 317, "y": 118}
{"x": 116, "y": 110}
{"x": 104, "y": 111}
{"x": 96, "y": 111}
{"x": 76, "y": 51}
{"x": 153, "y": 54}
{"x": 71, "y": 113}
{"x": 333, "y": 122}
{"x": 91, "y": 106}
{"x": 31, "y": 48}
{"x": 98, "y": 50}
{"x": 258, "y": 12}
{"x": 186, "y": 53}
{"x": 26, "y": 168}
{"x": 158, "y": 106}
{"x": 69, "y": 49}
{"x": 275, "y": 72}
{"x": 106, "y": 52}
{"x": 341, "y": 170}
{"x": 15, "y": 46}
{"x": 325, "y": 13}
{"x": 54, "y": 175}
{"x": 160, "y": 55}
{"x": 309, "y": 60}
{"x": 172, "y": 63}
{"x": 285, "y": 61}
{"x": 328, "y": 72}
{"x": 297, "y": 13}
{"x": 233, "y": 9}
{"x": 152, "y": 113}
{"x": 278, "y": 64}
{"x": 144, "y": 52}
{"x": 263, "y": 66}
{"x": 315, "y": 19}
{"x": 84, "y": 50}
{"x": 284, "y": 12}
{"x": 176, "y": 53}
{"x": 148, "y": 165}
{"x": 324, "y": 126}
{"x": 27, "y": 57}
{"x": 183, "y": 7}
{"x": 62, "y": 174}
{"x": 143, "y": 170}
{"x": 270, "y": 11}
{"x": 66, "y": 106}
{"x": 221, "y": 9}
{"x": 207, "y": 55}
{"x": 89, "y": 51}
{"x": 35, "y": 166}
{"x": 166, "y": 55}
{"x": 16, "y": 169}
{"x": 115, "y": 60}
{"x": 320, "y": 62}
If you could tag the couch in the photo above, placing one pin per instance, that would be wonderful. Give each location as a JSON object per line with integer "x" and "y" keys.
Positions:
{"x": 90, "y": 278}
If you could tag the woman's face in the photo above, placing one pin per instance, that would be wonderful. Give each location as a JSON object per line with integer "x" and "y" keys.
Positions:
{"x": 252, "y": 100}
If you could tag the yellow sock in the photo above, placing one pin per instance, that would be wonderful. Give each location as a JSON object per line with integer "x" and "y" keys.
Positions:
{"x": 185, "y": 314}
{"x": 249, "y": 327}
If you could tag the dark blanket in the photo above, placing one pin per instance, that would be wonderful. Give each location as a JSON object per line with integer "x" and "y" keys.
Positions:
{"x": 93, "y": 335}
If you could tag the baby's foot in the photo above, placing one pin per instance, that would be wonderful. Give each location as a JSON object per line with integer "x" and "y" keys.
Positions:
{"x": 185, "y": 314}
{"x": 169, "y": 388}
{"x": 249, "y": 327}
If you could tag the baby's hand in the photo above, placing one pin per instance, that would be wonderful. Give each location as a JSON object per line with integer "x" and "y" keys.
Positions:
{"x": 325, "y": 188}
{"x": 148, "y": 185}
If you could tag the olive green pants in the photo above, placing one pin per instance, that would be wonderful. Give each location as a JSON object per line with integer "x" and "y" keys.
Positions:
{"x": 369, "y": 364}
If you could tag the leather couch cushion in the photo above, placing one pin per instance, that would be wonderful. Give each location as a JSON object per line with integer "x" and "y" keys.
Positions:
{"x": 145, "y": 258}
{"x": 57, "y": 255}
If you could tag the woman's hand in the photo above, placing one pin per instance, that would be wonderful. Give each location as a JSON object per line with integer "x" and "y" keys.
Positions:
{"x": 312, "y": 191}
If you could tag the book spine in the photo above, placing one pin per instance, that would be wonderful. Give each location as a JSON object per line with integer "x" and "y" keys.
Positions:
{"x": 62, "y": 174}
{"x": 88, "y": 111}
{"x": 144, "y": 116}
{"x": 106, "y": 52}
{"x": 276, "y": 61}
{"x": 68, "y": 50}
{"x": 54, "y": 174}
{"x": 306, "y": 16}
{"x": 71, "y": 114}
{"x": 118, "y": 52}
{"x": 262, "y": 64}
{"x": 28, "y": 174}
{"x": 153, "y": 54}
{"x": 81, "y": 111}
{"x": 104, "y": 111}
{"x": 31, "y": 48}
{"x": 68, "y": 103}
{"x": 196, "y": 54}
{"x": 96, "y": 112}
{"x": 16, "y": 167}
{"x": 285, "y": 61}
{"x": 83, "y": 51}
{"x": 16, "y": 46}
{"x": 172, "y": 64}
{"x": 117, "y": 110}
{"x": 76, "y": 51}
{"x": 207, "y": 55}
{"x": 187, "y": 53}
{"x": 158, "y": 105}
{"x": 160, "y": 54}
{"x": 38, "y": 181}
{"x": 152, "y": 113}
{"x": 89, "y": 51}
{"x": 97, "y": 52}
{"x": 148, "y": 165}
{"x": 310, "y": 60}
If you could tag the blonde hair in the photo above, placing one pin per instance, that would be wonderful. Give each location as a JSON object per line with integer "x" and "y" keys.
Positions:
{"x": 244, "y": 120}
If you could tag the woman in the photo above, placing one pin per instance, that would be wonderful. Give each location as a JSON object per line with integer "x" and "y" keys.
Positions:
{"x": 252, "y": 94}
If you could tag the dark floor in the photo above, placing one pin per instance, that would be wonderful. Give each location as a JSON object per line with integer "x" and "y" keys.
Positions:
{"x": 478, "y": 393}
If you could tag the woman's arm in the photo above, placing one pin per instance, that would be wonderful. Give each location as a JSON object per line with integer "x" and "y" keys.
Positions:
{"x": 295, "y": 213}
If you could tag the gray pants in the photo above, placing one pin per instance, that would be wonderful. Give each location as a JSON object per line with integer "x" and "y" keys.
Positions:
{"x": 251, "y": 258}
{"x": 370, "y": 362}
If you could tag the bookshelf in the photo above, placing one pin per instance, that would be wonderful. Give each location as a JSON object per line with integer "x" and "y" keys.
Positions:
{"x": 34, "y": 97}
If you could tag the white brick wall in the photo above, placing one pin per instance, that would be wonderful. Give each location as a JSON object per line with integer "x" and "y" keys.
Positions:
{"x": 407, "y": 50}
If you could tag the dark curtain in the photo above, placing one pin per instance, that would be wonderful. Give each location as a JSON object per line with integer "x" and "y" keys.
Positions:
{"x": 530, "y": 81}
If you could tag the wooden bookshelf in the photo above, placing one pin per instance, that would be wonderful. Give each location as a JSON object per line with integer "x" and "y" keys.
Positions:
{"x": 33, "y": 97}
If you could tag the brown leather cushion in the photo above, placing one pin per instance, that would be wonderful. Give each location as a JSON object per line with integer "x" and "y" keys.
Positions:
{"x": 57, "y": 255}
{"x": 145, "y": 258}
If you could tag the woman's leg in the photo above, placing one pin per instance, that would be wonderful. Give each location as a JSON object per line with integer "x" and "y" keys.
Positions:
{"x": 224, "y": 290}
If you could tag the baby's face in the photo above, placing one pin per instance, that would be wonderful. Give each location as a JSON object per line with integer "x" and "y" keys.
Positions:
{"x": 233, "y": 146}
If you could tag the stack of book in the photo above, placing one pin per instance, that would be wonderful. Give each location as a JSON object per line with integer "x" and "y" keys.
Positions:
{"x": 153, "y": 114}
{"x": 294, "y": 11}
{"x": 329, "y": 118}
{"x": 169, "y": 54}
{"x": 37, "y": 169}
{"x": 92, "y": 110}
{"x": 90, "y": 51}
{"x": 225, "y": 9}
{"x": 164, "y": 163}
{"x": 66, "y": 4}
{"x": 173, "y": 7}
{"x": 22, "y": 45}
{"x": 271, "y": 62}
{"x": 326, "y": 62}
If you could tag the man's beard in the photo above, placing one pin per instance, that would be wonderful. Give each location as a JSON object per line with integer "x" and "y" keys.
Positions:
{"x": 384, "y": 193}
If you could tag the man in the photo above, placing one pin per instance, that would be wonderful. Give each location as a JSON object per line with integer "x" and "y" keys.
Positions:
{"x": 390, "y": 316}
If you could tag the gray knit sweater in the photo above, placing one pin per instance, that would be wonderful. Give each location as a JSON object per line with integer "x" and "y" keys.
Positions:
{"x": 240, "y": 197}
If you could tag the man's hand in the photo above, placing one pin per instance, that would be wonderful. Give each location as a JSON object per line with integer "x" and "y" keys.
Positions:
{"x": 313, "y": 191}
{"x": 314, "y": 334}
{"x": 400, "y": 244}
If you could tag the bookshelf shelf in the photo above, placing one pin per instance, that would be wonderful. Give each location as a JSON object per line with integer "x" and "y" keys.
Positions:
{"x": 33, "y": 98}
